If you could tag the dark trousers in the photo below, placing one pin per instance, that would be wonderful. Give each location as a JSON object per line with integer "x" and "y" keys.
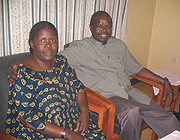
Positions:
{"x": 130, "y": 114}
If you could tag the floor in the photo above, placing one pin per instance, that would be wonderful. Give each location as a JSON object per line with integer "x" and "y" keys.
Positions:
{"x": 146, "y": 134}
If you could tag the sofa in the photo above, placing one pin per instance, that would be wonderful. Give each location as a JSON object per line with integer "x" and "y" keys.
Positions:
{"x": 5, "y": 62}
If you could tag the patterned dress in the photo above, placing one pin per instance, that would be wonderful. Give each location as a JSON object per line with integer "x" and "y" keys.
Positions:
{"x": 49, "y": 95}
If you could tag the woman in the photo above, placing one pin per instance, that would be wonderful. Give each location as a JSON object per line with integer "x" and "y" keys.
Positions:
{"x": 47, "y": 101}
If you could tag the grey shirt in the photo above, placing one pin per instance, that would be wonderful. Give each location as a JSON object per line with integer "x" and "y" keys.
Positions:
{"x": 105, "y": 68}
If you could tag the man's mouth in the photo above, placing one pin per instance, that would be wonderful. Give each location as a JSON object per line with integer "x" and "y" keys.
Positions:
{"x": 104, "y": 35}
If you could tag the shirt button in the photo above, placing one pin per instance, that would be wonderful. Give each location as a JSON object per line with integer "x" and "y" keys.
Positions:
{"x": 119, "y": 60}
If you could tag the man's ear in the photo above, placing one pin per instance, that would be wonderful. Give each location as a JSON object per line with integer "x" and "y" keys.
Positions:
{"x": 90, "y": 27}
{"x": 32, "y": 44}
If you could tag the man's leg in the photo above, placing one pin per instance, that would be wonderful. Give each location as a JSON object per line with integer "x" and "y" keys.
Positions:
{"x": 127, "y": 113}
{"x": 160, "y": 120}
{"x": 130, "y": 114}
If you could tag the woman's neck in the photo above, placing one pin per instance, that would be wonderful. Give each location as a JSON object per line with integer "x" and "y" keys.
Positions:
{"x": 41, "y": 66}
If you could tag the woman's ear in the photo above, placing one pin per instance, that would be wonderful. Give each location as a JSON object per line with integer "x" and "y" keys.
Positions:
{"x": 32, "y": 44}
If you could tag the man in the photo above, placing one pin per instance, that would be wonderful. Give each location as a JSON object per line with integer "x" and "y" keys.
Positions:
{"x": 104, "y": 64}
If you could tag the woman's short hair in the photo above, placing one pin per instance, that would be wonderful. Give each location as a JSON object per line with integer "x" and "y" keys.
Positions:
{"x": 37, "y": 27}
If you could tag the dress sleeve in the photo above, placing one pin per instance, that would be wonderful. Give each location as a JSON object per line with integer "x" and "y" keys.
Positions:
{"x": 23, "y": 96}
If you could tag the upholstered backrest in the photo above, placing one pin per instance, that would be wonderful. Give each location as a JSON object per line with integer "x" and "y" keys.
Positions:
{"x": 5, "y": 62}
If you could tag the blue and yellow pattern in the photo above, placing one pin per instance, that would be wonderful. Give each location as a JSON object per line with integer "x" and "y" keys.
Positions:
{"x": 41, "y": 96}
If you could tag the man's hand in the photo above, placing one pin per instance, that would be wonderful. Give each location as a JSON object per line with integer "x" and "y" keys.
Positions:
{"x": 168, "y": 90}
{"x": 145, "y": 73}
{"x": 12, "y": 74}
{"x": 82, "y": 122}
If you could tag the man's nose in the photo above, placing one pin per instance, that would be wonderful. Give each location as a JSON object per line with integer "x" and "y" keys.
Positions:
{"x": 104, "y": 29}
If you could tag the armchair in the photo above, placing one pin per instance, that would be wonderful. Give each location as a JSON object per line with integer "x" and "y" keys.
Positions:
{"x": 105, "y": 110}
{"x": 110, "y": 128}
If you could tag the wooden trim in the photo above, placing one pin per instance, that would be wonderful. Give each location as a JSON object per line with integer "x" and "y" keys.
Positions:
{"x": 6, "y": 136}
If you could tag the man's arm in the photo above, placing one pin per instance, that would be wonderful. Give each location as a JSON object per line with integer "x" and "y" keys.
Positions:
{"x": 12, "y": 74}
{"x": 145, "y": 73}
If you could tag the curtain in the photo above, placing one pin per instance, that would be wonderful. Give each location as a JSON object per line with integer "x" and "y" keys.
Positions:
{"x": 71, "y": 18}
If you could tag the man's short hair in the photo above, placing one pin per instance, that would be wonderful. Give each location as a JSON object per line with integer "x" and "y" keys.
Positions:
{"x": 99, "y": 13}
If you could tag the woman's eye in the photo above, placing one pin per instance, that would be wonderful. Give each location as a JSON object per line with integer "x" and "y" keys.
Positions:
{"x": 41, "y": 41}
{"x": 44, "y": 41}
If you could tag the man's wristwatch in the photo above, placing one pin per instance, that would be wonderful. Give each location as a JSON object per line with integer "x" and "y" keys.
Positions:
{"x": 164, "y": 79}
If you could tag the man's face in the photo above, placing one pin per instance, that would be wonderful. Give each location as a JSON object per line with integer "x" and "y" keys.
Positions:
{"x": 102, "y": 28}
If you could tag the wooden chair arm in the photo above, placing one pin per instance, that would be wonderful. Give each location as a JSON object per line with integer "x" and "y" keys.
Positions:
{"x": 158, "y": 85}
{"x": 159, "y": 98}
{"x": 176, "y": 90}
{"x": 6, "y": 136}
{"x": 106, "y": 110}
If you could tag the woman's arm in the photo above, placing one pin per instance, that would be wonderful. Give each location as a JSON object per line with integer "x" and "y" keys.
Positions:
{"x": 53, "y": 130}
{"x": 83, "y": 119}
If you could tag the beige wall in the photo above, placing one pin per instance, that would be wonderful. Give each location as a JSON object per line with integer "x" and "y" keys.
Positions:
{"x": 153, "y": 33}
{"x": 139, "y": 28}
{"x": 165, "y": 43}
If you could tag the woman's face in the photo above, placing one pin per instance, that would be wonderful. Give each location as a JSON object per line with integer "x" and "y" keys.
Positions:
{"x": 45, "y": 45}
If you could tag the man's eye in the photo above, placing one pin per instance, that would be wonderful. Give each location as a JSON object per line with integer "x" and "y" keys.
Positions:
{"x": 102, "y": 27}
{"x": 53, "y": 40}
{"x": 108, "y": 27}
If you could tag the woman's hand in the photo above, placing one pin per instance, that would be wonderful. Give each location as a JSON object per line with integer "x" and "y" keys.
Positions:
{"x": 83, "y": 121}
{"x": 70, "y": 135}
